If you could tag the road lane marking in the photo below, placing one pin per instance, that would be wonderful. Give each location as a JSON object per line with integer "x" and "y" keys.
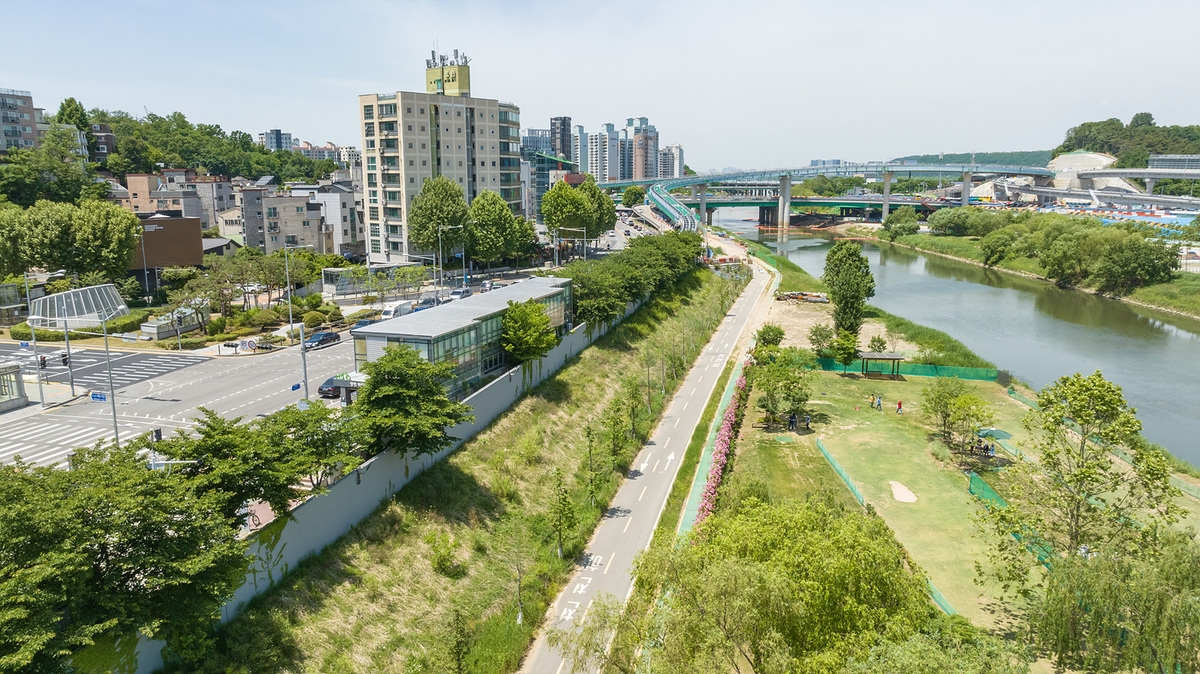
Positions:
{"x": 667, "y": 443}
{"x": 684, "y": 406}
{"x": 643, "y": 492}
{"x": 627, "y": 524}
{"x": 609, "y": 565}
{"x": 655, "y": 467}
{"x": 676, "y": 423}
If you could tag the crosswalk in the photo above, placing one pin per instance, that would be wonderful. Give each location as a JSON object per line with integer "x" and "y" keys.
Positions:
{"x": 90, "y": 370}
{"x": 37, "y": 441}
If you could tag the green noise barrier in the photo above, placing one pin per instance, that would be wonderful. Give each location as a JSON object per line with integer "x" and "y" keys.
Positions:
{"x": 837, "y": 468}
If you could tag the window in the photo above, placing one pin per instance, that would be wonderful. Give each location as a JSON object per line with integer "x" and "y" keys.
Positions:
{"x": 422, "y": 128}
{"x": 370, "y": 163}
{"x": 408, "y": 111}
{"x": 369, "y": 129}
{"x": 299, "y": 209}
{"x": 372, "y": 180}
{"x": 460, "y": 129}
{"x": 374, "y": 230}
{"x": 368, "y": 112}
{"x": 391, "y": 212}
{"x": 307, "y": 223}
{"x": 392, "y": 162}
{"x": 422, "y": 146}
{"x": 370, "y": 145}
{"x": 391, "y": 143}
{"x": 411, "y": 180}
{"x": 394, "y": 229}
{"x": 458, "y": 113}
{"x": 387, "y": 109}
{"x": 424, "y": 163}
{"x": 410, "y": 146}
{"x": 410, "y": 127}
{"x": 374, "y": 249}
{"x": 373, "y": 212}
{"x": 394, "y": 246}
{"x": 392, "y": 196}
{"x": 410, "y": 162}
{"x": 460, "y": 162}
{"x": 374, "y": 194}
{"x": 387, "y": 127}
{"x": 422, "y": 111}
{"x": 272, "y": 212}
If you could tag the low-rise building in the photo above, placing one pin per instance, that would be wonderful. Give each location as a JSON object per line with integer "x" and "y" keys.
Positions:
{"x": 18, "y": 120}
{"x": 294, "y": 221}
{"x": 339, "y": 207}
{"x": 146, "y": 193}
{"x": 216, "y": 196}
{"x": 465, "y": 333}
{"x": 219, "y": 245}
{"x": 167, "y": 241}
{"x": 106, "y": 141}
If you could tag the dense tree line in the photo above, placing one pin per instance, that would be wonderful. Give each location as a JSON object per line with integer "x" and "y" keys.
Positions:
{"x": 1133, "y": 143}
{"x": 578, "y": 209}
{"x": 487, "y": 229}
{"x": 1019, "y": 158}
{"x": 116, "y": 545}
{"x": 1117, "y": 257}
{"x": 602, "y": 288}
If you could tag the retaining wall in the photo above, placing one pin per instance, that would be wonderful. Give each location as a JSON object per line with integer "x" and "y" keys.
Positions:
{"x": 321, "y": 520}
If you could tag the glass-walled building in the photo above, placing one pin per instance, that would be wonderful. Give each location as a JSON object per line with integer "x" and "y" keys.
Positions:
{"x": 465, "y": 333}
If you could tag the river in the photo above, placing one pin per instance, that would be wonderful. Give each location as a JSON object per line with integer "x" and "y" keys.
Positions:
{"x": 1033, "y": 329}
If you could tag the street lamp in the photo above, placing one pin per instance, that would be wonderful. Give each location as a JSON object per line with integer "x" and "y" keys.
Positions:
{"x": 422, "y": 257}
{"x": 287, "y": 270}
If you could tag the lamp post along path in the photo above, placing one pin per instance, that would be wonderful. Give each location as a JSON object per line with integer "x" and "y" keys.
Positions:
{"x": 287, "y": 270}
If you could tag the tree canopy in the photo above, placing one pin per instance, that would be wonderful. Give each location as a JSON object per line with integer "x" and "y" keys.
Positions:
{"x": 438, "y": 207}
{"x": 52, "y": 171}
{"x": 633, "y": 196}
{"x": 525, "y": 331}
{"x": 564, "y": 206}
{"x": 490, "y": 222}
{"x": 848, "y": 276}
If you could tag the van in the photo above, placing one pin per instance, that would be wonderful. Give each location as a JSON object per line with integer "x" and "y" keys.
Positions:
{"x": 397, "y": 309}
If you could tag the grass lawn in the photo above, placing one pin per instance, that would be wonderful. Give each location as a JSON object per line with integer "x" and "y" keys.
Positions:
{"x": 878, "y": 448}
{"x": 788, "y": 462}
{"x": 372, "y": 601}
{"x": 1181, "y": 294}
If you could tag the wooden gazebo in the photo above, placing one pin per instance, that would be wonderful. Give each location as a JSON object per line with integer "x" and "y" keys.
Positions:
{"x": 894, "y": 358}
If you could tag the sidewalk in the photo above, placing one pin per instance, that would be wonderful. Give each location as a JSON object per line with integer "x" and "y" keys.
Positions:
{"x": 56, "y": 396}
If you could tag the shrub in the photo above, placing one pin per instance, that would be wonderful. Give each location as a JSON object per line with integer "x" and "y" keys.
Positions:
{"x": 266, "y": 317}
{"x": 441, "y": 553}
{"x": 313, "y": 319}
{"x": 224, "y": 337}
{"x": 363, "y": 314}
{"x": 335, "y": 316}
{"x": 188, "y": 343}
{"x": 216, "y": 326}
{"x": 246, "y": 332}
{"x": 293, "y": 335}
{"x": 770, "y": 334}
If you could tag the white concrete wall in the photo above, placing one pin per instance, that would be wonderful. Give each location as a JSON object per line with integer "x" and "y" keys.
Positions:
{"x": 323, "y": 519}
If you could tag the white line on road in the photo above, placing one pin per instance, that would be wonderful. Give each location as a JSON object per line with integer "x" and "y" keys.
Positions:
{"x": 609, "y": 565}
{"x": 643, "y": 492}
{"x": 676, "y": 423}
{"x": 655, "y": 467}
{"x": 627, "y": 524}
{"x": 684, "y": 407}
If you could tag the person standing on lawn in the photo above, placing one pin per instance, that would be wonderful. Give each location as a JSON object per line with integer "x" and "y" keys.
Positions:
{"x": 899, "y": 407}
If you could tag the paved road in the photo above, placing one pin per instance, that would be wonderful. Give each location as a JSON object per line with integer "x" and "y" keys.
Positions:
{"x": 88, "y": 364}
{"x": 627, "y": 527}
{"x": 242, "y": 386}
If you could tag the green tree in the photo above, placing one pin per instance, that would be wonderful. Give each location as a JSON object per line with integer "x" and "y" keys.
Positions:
{"x": 565, "y": 206}
{"x": 1135, "y": 261}
{"x": 562, "y": 511}
{"x": 12, "y": 240}
{"x": 438, "y": 207}
{"x": 597, "y": 292}
{"x": 72, "y": 113}
{"x": 902, "y": 229}
{"x": 878, "y": 344}
{"x": 782, "y": 378}
{"x": 604, "y": 209}
{"x": 821, "y": 337}
{"x": 47, "y": 240}
{"x": 105, "y": 237}
{"x": 950, "y": 221}
{"x": 52, "y": 171}
{"x": 848, "y": 276}
{"x": 845, "y": 348}
{"x": 997, "y": 245}
{"x": 950, "y": 644}
{"x": 1111, "y": 611}
{"x": 1141, "y": 119}
{"x": 968, "y": 414}
{"x": 491, "y": 222}
{"x": 458, "y": 641}
{"x": 1077, "y": 498}
{"x": 525, "y": 331}
{"x": 403, "y": 406}
{"x": 901, "y": 215}
{"x": 633, "y": 196}
{"x": 937, "y": 399}
{"x": 316, "y": 441}
{"x": 520, "y": 240}
{"x": 770, "y": 334}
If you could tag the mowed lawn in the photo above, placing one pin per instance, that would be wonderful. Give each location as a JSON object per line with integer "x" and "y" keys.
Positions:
{"x": 878, "y": 448}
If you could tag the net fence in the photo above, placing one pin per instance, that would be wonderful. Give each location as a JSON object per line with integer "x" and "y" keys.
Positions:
{"x": 837, "y": 468}
{"x": 883, "y": 368}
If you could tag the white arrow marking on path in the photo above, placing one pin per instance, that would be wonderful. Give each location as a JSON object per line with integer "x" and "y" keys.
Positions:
{"x": 669, "y": 460}
{"x": 645, "y": 463}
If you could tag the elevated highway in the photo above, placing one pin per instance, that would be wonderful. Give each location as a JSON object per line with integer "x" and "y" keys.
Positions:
{"x": 1105, "y": 196}
{"x": 1150, "y": 175}
{"x": 659, "y": 191}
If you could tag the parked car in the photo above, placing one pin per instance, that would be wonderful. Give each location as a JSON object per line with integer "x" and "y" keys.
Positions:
{"x": 459, "y": 293}
{"x": 362, "y": 324}
{"x": 487, "y": 285}
{"x": 397, "y": 309}
{"x": 332, "y": 388}
{"x": 320, "y": 340}
{"x": 426, "y": 303}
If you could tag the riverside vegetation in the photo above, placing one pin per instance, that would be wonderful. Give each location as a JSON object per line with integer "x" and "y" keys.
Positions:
{"x": 462, "y": 563}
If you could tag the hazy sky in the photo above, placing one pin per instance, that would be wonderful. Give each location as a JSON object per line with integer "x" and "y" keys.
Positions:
{"x": 738, "y": 83}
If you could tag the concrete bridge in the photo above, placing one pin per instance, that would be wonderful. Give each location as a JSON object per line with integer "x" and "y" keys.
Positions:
{"x": 1150, "y": 175}
{"x": 768, "y": 205}
{"x": 684, "y": 218}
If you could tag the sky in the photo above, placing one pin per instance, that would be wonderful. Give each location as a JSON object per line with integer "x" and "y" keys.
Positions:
{"x": 745, "y": 83}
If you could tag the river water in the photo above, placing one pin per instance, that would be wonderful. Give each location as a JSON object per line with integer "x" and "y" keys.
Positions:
{"x": 1031, "y": 328}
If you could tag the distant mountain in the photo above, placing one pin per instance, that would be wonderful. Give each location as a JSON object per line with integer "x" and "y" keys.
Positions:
{"x": 1027, "y": 158}
{"x": 1132, "y": 143}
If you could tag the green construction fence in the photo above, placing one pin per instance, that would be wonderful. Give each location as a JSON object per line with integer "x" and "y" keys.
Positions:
{"x": 912, "y": 369}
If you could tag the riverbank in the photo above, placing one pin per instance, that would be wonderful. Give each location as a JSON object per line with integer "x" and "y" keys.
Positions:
{"x": 1181, "y": 296}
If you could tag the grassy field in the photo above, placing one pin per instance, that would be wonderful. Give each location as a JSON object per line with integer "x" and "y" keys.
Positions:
{"x": 1181, "y": 294}
{"x": 794, "y": 278}
{"x": 372, "y": 602}
{"x": 879, "y": 448}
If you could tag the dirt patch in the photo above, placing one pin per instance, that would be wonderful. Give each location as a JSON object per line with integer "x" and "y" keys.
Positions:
{"x": 797, "y": 318}
{"x": 902, "y": 493}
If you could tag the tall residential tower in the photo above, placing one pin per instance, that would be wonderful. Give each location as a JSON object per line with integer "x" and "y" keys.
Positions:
{"x": 410, "y": 137}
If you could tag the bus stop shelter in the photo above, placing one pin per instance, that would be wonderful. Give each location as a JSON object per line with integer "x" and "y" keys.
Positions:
{"x": 892, "y": 360}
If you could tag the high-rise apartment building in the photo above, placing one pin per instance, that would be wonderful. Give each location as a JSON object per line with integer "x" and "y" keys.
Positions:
{"x": 18, "y": 120}
{"x": 315, "y": 153}
{"x": 275, "y": 140}
{"x": 410, "y": 137}
{"x": 579, "y": 148}
{"x": 643, "y": 139}
{"x": 604, "y": 154}
{"x": 670, "y": 162}
{"x": 560, "y": 137}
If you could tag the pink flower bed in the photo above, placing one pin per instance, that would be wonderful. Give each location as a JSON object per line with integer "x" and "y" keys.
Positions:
{"x": 729, "y": 424}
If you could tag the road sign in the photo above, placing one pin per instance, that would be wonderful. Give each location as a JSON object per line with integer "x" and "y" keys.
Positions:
{"x": 24, "y": 345}
{"x": 99, "y": 397}
{"x": 295, "y": 387}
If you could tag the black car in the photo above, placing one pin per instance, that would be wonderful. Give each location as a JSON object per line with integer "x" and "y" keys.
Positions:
{"x": 362, "y": 324}
{"x": 425, "y": 303}
{"x": 332, "y": 388}
{"x": 320, "y": 340}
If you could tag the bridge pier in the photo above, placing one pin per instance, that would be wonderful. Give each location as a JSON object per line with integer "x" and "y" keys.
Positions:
{"x": 767, "y": 214}
{"x": 702, "y": 211}
{"x": 966, "y": 191}
{"x": 887, "y": 192}
{"x": 785, "y": 202}
{"x": 1150, "y": 185}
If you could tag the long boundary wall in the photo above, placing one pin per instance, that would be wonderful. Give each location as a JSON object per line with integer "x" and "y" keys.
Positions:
{"x": 321, "y": 520}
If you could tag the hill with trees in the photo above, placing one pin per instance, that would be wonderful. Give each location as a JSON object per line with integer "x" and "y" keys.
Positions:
{"x": 1025, "y": 158}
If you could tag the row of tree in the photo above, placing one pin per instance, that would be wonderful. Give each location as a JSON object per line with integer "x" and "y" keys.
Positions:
{"x": 486, "y": 230}
{"x": 95, "y": 237}
{"x": 602, "y": 288}
{"x": 584, "y": 209}
{"x": 113, "y": 546}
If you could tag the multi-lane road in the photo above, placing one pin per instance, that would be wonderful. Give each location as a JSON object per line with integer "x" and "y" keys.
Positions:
{"x": 627, "y": 527}
{"x": 162, "y": 391}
